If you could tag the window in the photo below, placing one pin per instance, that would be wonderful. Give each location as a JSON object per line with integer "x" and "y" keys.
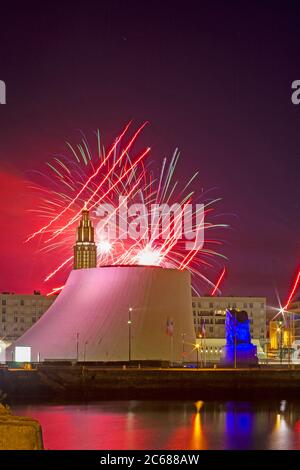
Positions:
{"x": 251, "y": 305}
{"x": 3, "y": 319}
{"x": 3, "y": 310}
{"x": 211, "y": 329}
{"x": 33, "y": 319}
{"x": 22, "y": 320}
{"x": 262, "y": 305}
{"x": 16, "y": 319}
{"x": 233, "y": 305}
{"x": 245, "y": 305}
{"x": 194, "y": 305}
{"x": 199, "y": 304}
{"x": 3, "y": 301}
{"x": 194, "y": 313}
{"x": 21, "y": 302}
{"x": 211, "y": 305}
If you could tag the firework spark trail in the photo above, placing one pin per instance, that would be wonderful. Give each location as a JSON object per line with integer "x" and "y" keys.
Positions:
{"x": 122, "y": 203}
{"x": 82, "y": 189}
{"x": 69, "y": 259}
{"x": 293, "y": 290}
{"x": 58, "y": 269}
{"x": 170, "y": 242}
{"x": 191, "y": 254}
{"x": 134, "y": 181}
{"x": 77, "y": 216}
{"x": 218, "y": 282}
{"x": 55, "y": 290}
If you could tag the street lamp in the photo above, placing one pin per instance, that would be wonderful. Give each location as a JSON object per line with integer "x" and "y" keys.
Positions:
{"x": 197, "y": 346}
{"x": 77, "y": 347}
{"x": 183, "y": 347}
{"x": 84, "y": 351}
{"x": 279, "y": 329}
{"x": 235, "y": 339}
{"x": 129, "y": 333}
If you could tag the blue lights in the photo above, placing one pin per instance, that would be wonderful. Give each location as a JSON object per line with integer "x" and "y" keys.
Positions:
{"x": 239, "y": 351}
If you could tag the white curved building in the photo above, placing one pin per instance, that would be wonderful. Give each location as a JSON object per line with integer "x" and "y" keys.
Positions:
{"x": 116, "y": 313}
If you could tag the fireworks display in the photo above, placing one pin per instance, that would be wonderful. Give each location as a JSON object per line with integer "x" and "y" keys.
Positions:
{"x": 283, "y": 309}
{"x": 121, "y": 176}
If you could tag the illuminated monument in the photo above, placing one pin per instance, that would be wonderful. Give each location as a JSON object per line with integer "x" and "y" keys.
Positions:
{"x": 85, "y": 253}
{"x": 238, "y": 351}
{"x": 113, "y": 313}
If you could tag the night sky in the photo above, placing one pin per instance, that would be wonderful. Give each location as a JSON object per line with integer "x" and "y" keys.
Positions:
{"x": 212, "y": 78}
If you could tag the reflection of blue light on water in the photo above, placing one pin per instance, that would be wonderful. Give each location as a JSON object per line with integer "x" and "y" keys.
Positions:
{"x": 238, "y": 428}
{"x": 238, "y": 422}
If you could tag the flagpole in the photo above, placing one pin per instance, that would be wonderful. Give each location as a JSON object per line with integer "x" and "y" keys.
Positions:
{"x": 171, "y": 350}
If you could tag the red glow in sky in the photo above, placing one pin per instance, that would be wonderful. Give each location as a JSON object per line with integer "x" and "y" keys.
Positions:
{"x": 22, "y": 268}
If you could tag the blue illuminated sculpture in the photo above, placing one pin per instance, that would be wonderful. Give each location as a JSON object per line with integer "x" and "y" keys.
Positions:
{"x": 238, "y": 351}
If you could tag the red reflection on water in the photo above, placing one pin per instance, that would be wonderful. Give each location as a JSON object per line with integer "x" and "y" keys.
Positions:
{"x": 189, "y": 436}
{"x": 77, "y": 428}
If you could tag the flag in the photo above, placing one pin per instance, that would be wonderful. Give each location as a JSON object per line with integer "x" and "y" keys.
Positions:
{"x": 170, "y": 327}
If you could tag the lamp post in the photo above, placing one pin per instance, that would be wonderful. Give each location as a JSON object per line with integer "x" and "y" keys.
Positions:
{"x": 235, "y": 339}
{"x": 197, "y": 350}
{"x": 129, "y": 333}
{"x": 84, "y": 351}
{"x": 279, "y": 329}
{"x": 183, "y": 347}
{"x": 77, "y": 346}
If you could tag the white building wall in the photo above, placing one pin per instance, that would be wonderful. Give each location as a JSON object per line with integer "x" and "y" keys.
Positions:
{"x": 91, "y": 315}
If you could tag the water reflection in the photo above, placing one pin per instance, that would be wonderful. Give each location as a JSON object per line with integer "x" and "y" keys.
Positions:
{"x": 169, "y": 425}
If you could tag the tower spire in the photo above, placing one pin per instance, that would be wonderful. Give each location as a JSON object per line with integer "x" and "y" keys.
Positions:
{"x": 85, "y": 252}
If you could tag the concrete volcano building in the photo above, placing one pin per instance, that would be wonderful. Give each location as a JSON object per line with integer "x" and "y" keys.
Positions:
{"x": 115, "y": 313}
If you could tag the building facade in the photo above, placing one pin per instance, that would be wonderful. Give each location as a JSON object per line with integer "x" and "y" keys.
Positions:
{"x": 85, "y": 251}
{"x": 294, "y": 309}
{"x": 209, "y": 315}
{"x": 20, "y": 312}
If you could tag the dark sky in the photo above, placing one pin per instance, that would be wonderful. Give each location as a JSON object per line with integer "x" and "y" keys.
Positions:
{"x": 213, "y": 78}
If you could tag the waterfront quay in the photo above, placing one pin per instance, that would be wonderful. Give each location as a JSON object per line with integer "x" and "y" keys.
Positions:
{"x": 61, "y": 383}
